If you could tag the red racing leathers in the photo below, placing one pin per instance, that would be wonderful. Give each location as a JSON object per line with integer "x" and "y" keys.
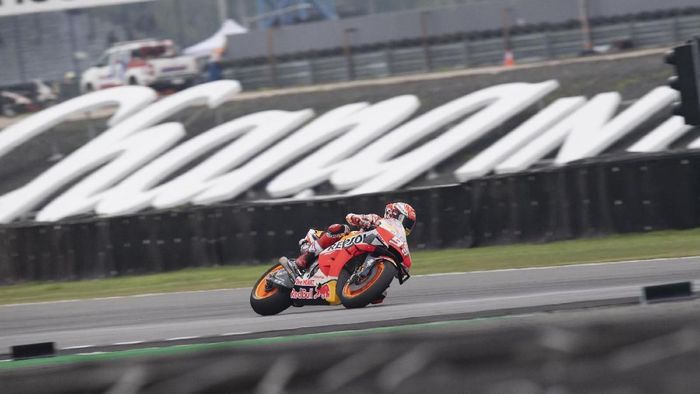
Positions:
{"x": 318, "y": 240}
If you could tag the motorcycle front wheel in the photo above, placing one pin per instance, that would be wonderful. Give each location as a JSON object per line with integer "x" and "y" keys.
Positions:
{"x": 359, "y": 293}
{"x": 269, "y": 300}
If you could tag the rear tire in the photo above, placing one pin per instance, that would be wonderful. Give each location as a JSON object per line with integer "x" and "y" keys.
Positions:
{"x": 266, "y": 301}
{"x": 354, "y": 295}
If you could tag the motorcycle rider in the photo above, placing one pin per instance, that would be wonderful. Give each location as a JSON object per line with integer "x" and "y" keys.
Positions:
{"x": 316, "y": 241}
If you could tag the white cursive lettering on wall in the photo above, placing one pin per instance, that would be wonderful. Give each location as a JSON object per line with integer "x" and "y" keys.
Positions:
{"x": 329, "y": 125}
{"x": 582, "y": 143}
{"x": 129, "y": 100}
{"x": 502, "y": 102}
{"x": 259, "y": 130}
{"x": 363, "y": 128}
{"x": 592, "y": 115}
{"x": 661, "y": 137}
{"x": 102, "y": 149}
{"x": 374, "y": 158}
{"x": 354, "y": 146}
{"x": 486, "y": 160}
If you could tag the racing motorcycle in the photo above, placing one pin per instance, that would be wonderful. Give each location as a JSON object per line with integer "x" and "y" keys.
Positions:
{"x": 355, "y": 271}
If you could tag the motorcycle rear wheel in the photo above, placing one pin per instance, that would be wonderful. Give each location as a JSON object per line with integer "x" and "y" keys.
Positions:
{"x": 359, "y": 295}
{"x": 269, "y": 300}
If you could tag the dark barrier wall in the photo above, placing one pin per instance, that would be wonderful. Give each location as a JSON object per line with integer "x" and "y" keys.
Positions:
{"x": 634, "y": 194}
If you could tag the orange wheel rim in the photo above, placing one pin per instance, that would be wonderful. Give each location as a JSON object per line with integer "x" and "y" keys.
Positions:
{"x": 349, "y": 292}
{"x": 260, "y": 290}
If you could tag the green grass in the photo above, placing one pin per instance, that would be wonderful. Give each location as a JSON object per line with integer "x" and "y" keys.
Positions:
{"x": 613, "y": 248}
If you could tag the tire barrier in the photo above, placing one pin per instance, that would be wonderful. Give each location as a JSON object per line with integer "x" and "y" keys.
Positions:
{"x": 636, "y": 193}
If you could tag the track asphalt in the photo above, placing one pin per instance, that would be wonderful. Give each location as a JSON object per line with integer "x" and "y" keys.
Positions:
{"x": 176, "y": 318}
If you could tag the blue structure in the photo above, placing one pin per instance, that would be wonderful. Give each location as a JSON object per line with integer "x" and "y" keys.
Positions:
{"x": 316, "y": 10}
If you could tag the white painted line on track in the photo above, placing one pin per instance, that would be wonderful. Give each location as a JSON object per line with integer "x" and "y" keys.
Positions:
{"x": 127, "y": 343}
{"x": 121, "y": 297}
{"x": 617, "y": 291}
{"x": 555, "y": 267}
{"x": 229, "y": 334}
{"x": 182, "y": 338}
{"x": 77, "y": 347}
{"x": 563, "y": 266}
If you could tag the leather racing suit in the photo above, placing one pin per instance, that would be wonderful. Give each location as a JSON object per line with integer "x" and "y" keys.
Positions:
{"x": 316, "y": 241}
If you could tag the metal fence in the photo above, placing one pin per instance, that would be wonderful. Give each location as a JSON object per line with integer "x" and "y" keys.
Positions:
{"x": 460, "y": 54}
{"x": 52, "y": 45}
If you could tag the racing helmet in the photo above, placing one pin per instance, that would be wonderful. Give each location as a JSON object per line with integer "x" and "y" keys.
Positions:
{"x": 403, "y": 212}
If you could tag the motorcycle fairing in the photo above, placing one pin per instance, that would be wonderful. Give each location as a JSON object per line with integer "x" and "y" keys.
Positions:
{"x": 314, "y": 288}
{"x": 318, "y": 285}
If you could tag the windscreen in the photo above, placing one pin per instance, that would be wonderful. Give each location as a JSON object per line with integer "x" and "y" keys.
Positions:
{"x": 395, "y": 227}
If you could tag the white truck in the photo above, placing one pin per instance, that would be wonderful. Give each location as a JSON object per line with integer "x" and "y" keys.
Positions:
{"x": 148, "y": 62}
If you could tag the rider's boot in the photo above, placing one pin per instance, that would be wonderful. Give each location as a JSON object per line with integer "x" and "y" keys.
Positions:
{"x": 329, "y": 237}
{"x": 302, "y": 262}
{"x": 291, "y": 267}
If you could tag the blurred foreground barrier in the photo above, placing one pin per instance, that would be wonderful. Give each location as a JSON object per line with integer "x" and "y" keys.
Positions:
{"x": 41, "y": 349}
{"x": 667, "y": 292}
{"x": 629, "y": 351}
{"x": 617, "y": 195}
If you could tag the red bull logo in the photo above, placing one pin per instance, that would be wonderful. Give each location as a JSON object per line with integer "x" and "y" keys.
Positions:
{"x": 302, "y": 294}
{"x": 323, "y": 291}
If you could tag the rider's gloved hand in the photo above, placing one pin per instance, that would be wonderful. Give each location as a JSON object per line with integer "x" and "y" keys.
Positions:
{"x": 365, "y": 222}
{"x": 303, "y": 245}
{"x": 307, "y": 243}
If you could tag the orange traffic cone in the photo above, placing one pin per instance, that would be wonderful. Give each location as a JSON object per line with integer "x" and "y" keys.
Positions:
{"x": 509, "y": 59}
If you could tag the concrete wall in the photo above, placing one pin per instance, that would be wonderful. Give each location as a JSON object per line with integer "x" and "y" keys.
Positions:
{"x": 401, "y": 25}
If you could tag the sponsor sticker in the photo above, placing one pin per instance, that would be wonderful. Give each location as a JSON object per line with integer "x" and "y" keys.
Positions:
{"x": 304, "y": 282}
{"x": 323, "y": 291}
{"x": 347, "y": 242}
{"x": 302, "y": 294}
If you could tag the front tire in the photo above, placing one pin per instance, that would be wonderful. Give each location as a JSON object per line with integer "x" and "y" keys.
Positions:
{"x": 269, "y": 300}
{"x": 359, "y": 295}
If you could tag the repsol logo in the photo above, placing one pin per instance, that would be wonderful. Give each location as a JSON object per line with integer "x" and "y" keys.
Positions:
{"x": 346, "y": 243}
{"x": 129, "y": 167}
